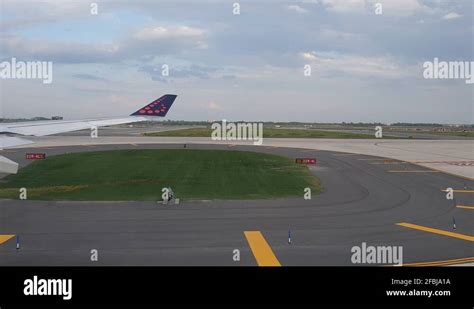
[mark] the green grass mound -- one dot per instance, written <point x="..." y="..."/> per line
<point x="141" y="174"/>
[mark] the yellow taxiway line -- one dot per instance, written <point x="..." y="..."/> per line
<point x="5" y="238"/>
<point x="390" y="162"/>
<point x="459" y="191"/>
<point x="442" y="263"/>
<point x="437" y="231"/>
<point x="261" y="249"/>
<point x="412" y="171"/>
<point x="465" y="207"/>
<point x="441" y="171"/>
<point x="417" y="163"/>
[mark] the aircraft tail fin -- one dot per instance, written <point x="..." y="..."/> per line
<point x="157" y="108"/>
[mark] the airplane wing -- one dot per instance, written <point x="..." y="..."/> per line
<point x="157" y="108"/>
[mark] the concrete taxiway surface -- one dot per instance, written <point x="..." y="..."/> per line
<point x="366" y="199"/>
<point x="408" y="134"/>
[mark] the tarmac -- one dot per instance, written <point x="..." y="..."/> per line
<point x="366" y="199"/>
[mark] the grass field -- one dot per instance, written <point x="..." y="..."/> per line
<point x="268" y="133"/>
<point x="141" y="174"/>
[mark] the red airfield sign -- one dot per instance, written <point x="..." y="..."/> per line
<point x="35" y="156"/>
<point x="311" y="161"/>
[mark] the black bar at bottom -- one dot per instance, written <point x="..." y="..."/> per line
<point x="241" y="285"/>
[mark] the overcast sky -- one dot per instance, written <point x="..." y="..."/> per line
<point x="365" y="67"/>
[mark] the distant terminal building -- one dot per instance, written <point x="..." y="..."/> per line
<point x="57" y="118"/>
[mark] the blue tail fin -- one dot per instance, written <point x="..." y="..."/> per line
<point x="159" y="107"/>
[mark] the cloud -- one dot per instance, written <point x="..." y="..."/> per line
<point x="148" y="41"/>
<point x="390" y="7"/>
<point x="62" y="52"/>
<point x="192" y="71"/>
<point x="89" y="77"/>
<point x="401" y="7"/>
<point x="343" y="5"/>
<point x="310" y="56"/>
<point x="166" y="40"/>
<point x="228" y="77"/>
<point x="32" y="13"/>
<point x="451" y="15"/>
<point x="297" y="8"/>
<point x="214" y="106"/>
<point x="331" y="64"/>
<point x="160" y="33"/>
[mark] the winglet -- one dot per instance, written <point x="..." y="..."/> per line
<point x="157" y="108"/>
<point x="8" y="166"/>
